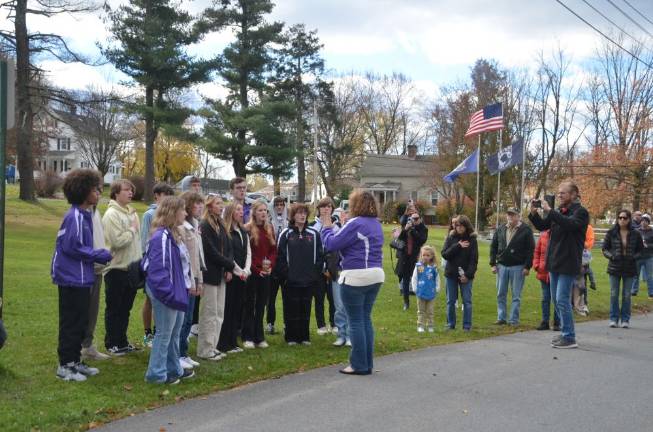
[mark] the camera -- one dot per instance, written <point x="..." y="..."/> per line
<point x="537" y="203"/>
<point x="551" y="200"/>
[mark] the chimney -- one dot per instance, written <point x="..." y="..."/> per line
<point x="412" y="151"/>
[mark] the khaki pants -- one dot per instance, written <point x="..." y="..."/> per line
<point x="210" y="319"/>
<point x="93" y="308"/>
<point x="425" y="312"/>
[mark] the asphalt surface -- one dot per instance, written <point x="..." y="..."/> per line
<point x="514" y="383"/>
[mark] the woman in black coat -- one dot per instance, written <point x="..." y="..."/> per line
<point x="414" y="234"/>
<point x="622" y="246"/>
<point x="461" y="252"/>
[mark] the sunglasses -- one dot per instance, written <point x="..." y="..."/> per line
<point x="623" y="218"/>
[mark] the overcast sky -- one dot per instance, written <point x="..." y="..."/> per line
<point x="432" y="41"/>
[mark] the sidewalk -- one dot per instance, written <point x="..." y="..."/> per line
<point x="507" y="383"/>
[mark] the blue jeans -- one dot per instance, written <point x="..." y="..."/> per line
<point x="561" y="285"/>
<point x="164" y="356"/>
<point x="452" y="295"/>
<point x="185" y="327"/>
<point x="340" y="315"/>
<point x="645" y="270"/>
<point x="513" y="276"/>
<point x="615" y="314"/>
<point x="358" y="301"/>
<point x="546" y="304"/>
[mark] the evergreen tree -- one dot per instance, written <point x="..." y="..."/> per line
<point x="298" y="57"/>
<point x="247" y="127"/>
<point x="151" y="38"/>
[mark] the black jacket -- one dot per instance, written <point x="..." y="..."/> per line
<point x="300" y="257"/>
<point x="567" y="239"/>
<point x="406" y="262"/>
<point x="239" y="244"/>
<point x="457" y="256"/>
<point x="218" y="253"/>
<point x="647" y="236"/>
<point x="518" y="252"/>
<point x="622" y="262"/>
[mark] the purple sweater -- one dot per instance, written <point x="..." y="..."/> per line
<point x="359" y="242"/>
<point x="74" y="256"/>
<point x="165" y="275"/>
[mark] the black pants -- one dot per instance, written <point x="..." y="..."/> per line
<point x="296" y="312"/>
<point x="119" y="299"/>
<point x="73" y="320"/>
<point x="275" y="284"/>
<point x="256" y="297"/>
<point x="233" y="301"/>
<point x="3" y="334"/>
<point x="320" y="289"/>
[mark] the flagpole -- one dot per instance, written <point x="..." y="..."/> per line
<point x="523" y="174"/>
<point x="478" y="180"/>
<point x="499" y="178"/>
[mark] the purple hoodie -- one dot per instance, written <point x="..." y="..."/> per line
<point x="360" y="243"/>
<point x="74" y="256"/>
<point x="165" y="275"/>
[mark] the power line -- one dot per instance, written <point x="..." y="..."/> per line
<point x="610" y="21"/>
<point x="630" y="18"/>
<point x="603" y="34"/>
<point x="638" y="12"/>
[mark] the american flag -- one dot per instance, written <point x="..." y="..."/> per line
<point x="488" y="119"/>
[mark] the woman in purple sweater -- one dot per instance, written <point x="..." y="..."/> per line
<point x="360" y="244"/>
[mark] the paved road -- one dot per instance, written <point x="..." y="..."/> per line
<point x="509" y="383"/>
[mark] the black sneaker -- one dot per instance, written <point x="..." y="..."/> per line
<point x="131" y="348"/>
<point x="188" y="373"/>
<point x="555" y="339"/>
<point x="565" y="343"/>
<point x="118" y="351"/>
<point x="173" y="380"/>
<point x="544" y="325"/>
<point x="556" y="327"/>
<point x="500" y="322"/>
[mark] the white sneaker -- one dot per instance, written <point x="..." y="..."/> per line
<point x="86" y="370"/>
<point x="322" y="331"/>
<point x="348" y="343"/>
<point x="613" y="324"/>
<point x="625" y="324"/>
<point x="91" y="353"/>
<point x="216" y="356"/>
<point x="249" y="345"/>
<point x="263" y="344"/>
<point x="235" y="350"/>
<point x="431" y="330"/>
<point x="188" y="359"/>
<point x="68" y="372"/>
<point x="292" y="343"/>
<point x="339" y="342"/>
<point x="306" y="343"/>
<point x="420" y="329"/>
<point x="194" y="330"/>
<point x="184" y="364"/>
<point x="334" y="330"/>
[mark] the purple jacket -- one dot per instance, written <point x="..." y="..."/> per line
<point x="359" y="241"/>
<point x="74" y="256"/>
<point x="165" y="276"/>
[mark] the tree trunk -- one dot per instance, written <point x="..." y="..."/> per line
<point x="301" y="158"/>
<point x="239" y="164"/>
<point x="25" y="116"/>
<point x="277" y="185"/>
<point x="150" y="136"/>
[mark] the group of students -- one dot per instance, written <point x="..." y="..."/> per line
<point x="234" y="258"/>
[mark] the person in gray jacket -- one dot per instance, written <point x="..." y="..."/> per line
<point x="511" y="257"/>
<point x="645" y="261"/>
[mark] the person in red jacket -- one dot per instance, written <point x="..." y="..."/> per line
<point x="542" y="274"/>
<point x="264" y="256"/>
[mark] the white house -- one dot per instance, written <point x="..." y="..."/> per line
<point x="63" y="151"/>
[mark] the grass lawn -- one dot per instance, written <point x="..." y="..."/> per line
<point x="31" y="398"/>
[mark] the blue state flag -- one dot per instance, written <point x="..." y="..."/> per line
<point x="506" y="157"/>
<point x="469" y="165"/>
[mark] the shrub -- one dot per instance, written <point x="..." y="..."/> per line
<point x="48" y="183"/>
<point x="442" y="213"/>
<point x="139" y="185"/>
<point x="389" y="214"/>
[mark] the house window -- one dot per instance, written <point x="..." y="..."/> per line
<point x="434" y="198"/>
<point x="54" y="166"/>
<point x="66" y="166"/>
<point x="63" y="143"/>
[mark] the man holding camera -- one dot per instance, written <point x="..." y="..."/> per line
<point x="511" y="257"/>
<point x="568" y="224"/>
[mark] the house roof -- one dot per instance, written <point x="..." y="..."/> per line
<point x="396" y="166"/>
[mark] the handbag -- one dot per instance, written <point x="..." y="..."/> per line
<point x="398" y="244"/>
